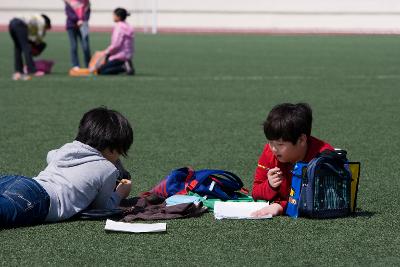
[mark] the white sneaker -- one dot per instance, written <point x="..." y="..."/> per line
<point x="17" y="76"/>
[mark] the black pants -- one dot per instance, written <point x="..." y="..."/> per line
<point x="19" y="33"/>
<point x="116" y="67"/>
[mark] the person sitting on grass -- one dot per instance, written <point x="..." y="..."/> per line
<point x="80" y="175"/>
<point x="27" y="32"/>
<point x="288" y="131"/>
<point x="120" y="52"/>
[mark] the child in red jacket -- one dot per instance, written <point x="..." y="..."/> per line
<point x="288" y="131"/>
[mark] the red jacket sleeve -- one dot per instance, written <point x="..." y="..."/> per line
<point x="261" y="188"/>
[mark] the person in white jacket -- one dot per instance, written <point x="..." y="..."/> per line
<point x="83" y="174"/>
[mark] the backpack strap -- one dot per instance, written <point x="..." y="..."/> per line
<point x="339" y="156"/>
<point x="231" y="179"/>
<point x="189" y="177"/>
<point x="329" y="158"/>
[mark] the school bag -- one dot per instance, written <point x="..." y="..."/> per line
<point x="219" y="184"/>
<point x="43" y="65"/>
<point x="37" y="48"/>
<point x="321" y="188"/>
<point x="97" y="60"/>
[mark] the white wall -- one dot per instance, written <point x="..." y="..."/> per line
<point x="244" y="15"/>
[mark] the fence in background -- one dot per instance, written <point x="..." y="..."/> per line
<point x="285" y="16"/>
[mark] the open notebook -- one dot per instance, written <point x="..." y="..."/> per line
<point x="238" y="210"/>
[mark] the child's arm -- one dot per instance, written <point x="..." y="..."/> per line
<point x="116" y="42"/>
<point x="124" y="188"/>
<point x="50" y="155"/>
<point x="123" y="173"/>
<point x="106" y="197"/>
<point x="274" y="177"/>
<point x="261" y="186"/>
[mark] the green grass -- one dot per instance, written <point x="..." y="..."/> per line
<point x="200" y="100"/>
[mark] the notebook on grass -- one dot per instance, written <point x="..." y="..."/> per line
<point x="238" y="210"/>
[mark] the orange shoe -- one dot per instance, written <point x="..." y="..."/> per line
<point x="26" y="77"/>
<point x="79" y="72"/>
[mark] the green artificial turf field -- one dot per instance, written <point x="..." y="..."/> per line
<point x="200" y="100"/>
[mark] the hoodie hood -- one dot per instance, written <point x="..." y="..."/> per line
<point x="125" y="29"/>
<point x="73" y="154"/>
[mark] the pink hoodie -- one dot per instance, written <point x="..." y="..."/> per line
<point x="122" y="42"/>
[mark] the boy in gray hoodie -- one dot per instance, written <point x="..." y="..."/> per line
<point x="79" y="175"/>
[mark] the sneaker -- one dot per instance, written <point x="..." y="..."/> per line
<point x="17" y="76"/>
<point x="129" y="69"/>
<point x="38" y="73"/>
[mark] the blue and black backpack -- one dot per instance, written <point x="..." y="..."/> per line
<point x="219" y="184"/>
<point x="322" y="187"/>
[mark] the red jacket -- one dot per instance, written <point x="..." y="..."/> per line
<point x="262" y="189"/>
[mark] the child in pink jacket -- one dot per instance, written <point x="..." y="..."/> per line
<point x="120" y="52"/>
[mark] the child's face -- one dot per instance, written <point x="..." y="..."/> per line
<point x="286" y="152"/>
<point x="116" y="18"/>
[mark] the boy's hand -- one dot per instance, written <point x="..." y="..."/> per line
<point x="79" y="23"/>
<point x="274" y="209"/>
<point x="275" y="177"/>
<point x="124" y="188"/>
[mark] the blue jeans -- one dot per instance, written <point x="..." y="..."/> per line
<point x="81" y="33"/>
<point x="23" y="201"/>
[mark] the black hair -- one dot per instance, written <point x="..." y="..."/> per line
<point x="121" y="13"/>
<point x="288" y="121"/>
<point x="102" y="128"/>
<point x="47" y="21"/>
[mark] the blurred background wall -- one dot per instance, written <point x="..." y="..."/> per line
<point x="319" y="16"/>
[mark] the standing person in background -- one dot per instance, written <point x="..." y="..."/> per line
<point x="27" y="31"/>
<point x="78" y="13"/>
<point x="120" y="52"/>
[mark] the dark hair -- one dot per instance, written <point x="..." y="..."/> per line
<point x="47" y="21"/>
<point x="289" y="122"/>
<point x="121" y="13"/>
<point x="103" y="128"/>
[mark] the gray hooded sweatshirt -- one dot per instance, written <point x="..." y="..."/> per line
<point x="78" y="177"/>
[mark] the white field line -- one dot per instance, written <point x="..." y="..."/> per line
<point x="210" y="78"/>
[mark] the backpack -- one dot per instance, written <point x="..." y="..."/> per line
<point x="321" y="188"/>
<point x="174" y="183"/>
<point x="37" y="48"/>
<point x="96" y="61"/>
<point x="211" y="183"/>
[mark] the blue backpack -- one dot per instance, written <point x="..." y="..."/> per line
<point x="219" y="184"/>
<point x="321" y="188"/>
